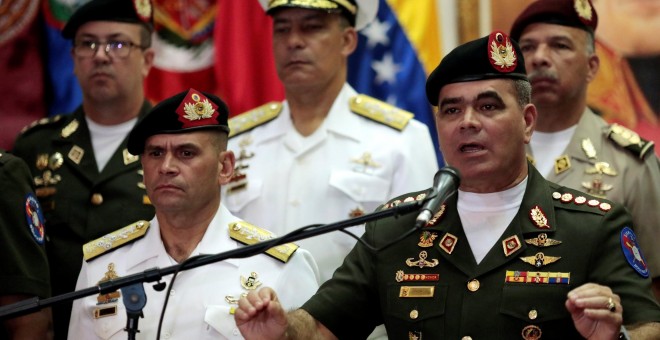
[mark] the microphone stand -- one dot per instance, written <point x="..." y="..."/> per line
<point x="134" y="297"/>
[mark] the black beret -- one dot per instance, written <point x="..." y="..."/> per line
<point x="358" y="12"/>
<point x="187" y="111"/>
<point x="493" y="56"/>
<point x="573" y="13"/>
<point x="129" y="11"/>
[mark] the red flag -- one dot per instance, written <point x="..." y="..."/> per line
<point x="22" y="84"/>
<point x="244" y="66"/>
<point x="184" y="48"/>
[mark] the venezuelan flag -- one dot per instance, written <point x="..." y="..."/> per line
<point x="395" y="54"/>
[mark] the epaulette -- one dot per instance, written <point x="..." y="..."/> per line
<point x="251" y="119"/>
<point x="629" y="140"/>
<point x="42" y="122"/>
<point x="115" y="240"/>
<point x="380" y="111"/>
<point x="568" y="198"/>
<point x="249" y="234"/>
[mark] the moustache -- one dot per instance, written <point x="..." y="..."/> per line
<point x="542" y="74"/>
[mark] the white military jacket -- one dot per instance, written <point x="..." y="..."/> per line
<point x="201" y="299"/>
<point x="349" y="166"/>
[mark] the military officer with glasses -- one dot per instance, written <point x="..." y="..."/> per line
<point x="86" y="180"/>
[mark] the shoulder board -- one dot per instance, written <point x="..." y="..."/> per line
<point x="571" y="199"/>
<point x="251" y="119"/>
<point x="42" y="122"/>
<point x="629" y="140"/>
<point x="249" y="234"/>
<point x="115" y="240"/>
<point x="380" y="111"/>
<point x="410" y="197"/>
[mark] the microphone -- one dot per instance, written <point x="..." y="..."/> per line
<point x="445" y="184"/>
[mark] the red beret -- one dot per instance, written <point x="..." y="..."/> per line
<point x="573" y="13"/>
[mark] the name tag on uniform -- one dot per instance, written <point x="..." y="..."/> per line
<point x="105" y="311"/>
<point x="416" y="291"/>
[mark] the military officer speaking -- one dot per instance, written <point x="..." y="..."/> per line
<point x="572" y="146"/>
<point x="183" y="143"/>
<point x="86" y="180"/>
<point x="510" y="256"/>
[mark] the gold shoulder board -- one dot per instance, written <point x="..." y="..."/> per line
<point x="251" y="119"/>
<point x="41" y="122"/>
<point x="629" y="140"/>
<point x="247" y="233"/>
<point x="380" y="111"/>
<point x="115" y="240"/>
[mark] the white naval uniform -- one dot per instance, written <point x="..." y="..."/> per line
<point x="197" y="308"/>
<point x="294" y="181"/>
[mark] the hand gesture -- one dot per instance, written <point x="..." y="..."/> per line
<point x="596" y="311"/>
<point x="260" y="316"/>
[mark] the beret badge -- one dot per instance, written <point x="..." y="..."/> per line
<point x="584" y="10"/>
<point x="195" y="108"/>
<point x="143" y="9"/>
<point x="502" y="56"/>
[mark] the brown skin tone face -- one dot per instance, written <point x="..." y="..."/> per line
<point x="482" y="132"/>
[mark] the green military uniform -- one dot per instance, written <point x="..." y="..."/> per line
<point x="79" y="202"/>
<point x="24" y="268"/>
<point x="512" y="292"/>
<point x="614" y="163"/>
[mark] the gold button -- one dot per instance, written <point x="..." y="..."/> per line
<point x="414" y="314"/>
<point x="533" y="314"/>
<point x="97" y="199"/>
<point x="467" y="337"/>
<point x="473" y="285"/>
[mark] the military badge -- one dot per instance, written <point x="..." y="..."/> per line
<point x="633" y="253"/>
<point x="566" y="197"/>
<point x="562" y="163"/>
<point x="502" y="55"/>
<point x="588" y="148"/>
<point x="195" y="110"/>
<point x="401" y="276"/>
<point x="422" y="262"/>
<point x="76" y="154"/>
<point x="531" y="332"/>
<point x="70" y="128"/>
<point x="42" y="161"/>
<point x="144" y="9"/>
<point x="605" y="206"/>
<point x="601" y="168"/>
<point x="580" y="200"/>
<point x="35" y="218"/>
<point x="55" y="161"/>
<point x="448" y="243"/>
<point x="436" y="218"/>
<point x="129" y="158"/>
<point x="538" y="217"/>
<point x="357" y="212"/>
<point x="112" y="296"/>
<point x="539" y="259"/>
<point x="365" y="162"/>
<point x="596" y="187"/>
<point x="251" y="282"/>
<point x="414" y="335"/>
<point x="511" y="245"/>
<point x="542" y="240"/>
<point x="426" y="239"/>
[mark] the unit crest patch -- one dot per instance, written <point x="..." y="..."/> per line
<point x="35" y="218"/>
<point x="632" y="252"/>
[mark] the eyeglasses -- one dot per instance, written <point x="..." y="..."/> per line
<point x="113" y="48"/>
